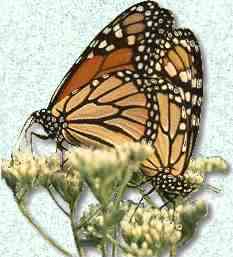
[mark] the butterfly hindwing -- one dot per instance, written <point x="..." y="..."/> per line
<point x="179" y="118"/>
<point x="111" y="109"/>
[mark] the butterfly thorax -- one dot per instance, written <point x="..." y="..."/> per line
<point x="171" y="186"/>
<point x="52" y="125"/>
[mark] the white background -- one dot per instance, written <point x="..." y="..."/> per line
<point x="40" y="40"/>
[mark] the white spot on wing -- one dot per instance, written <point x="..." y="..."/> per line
<point x="119" y="34"/>
<point x="170" y="69"/>
<point x="141" y="48"/>
<point x="110" y="47"/>
<point x="131" y="40"/>
<point x="103" y="44"/>
<point x="116" y="27"/>
<point x="158" y="67"/>
<point x="106" y="30"/>
<point x="183" y="76"/>
<point x="140" y="8"/>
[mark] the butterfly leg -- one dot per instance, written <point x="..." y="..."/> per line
<point x="170" y="201"/>
<point x="62" y="159"/>
<point x="140" y="201"/>
<point x="43" y="137"/>
<point x="62" y="150"/>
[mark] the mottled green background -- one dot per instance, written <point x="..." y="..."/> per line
<point x="39" y="41"/>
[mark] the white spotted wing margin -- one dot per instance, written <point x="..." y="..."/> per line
<point x="177" y="126"/>
<point x="132" y="29"/>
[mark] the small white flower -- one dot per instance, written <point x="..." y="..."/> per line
<point x="175" y="237"/>
<point x="155" y="235"/>
<point x="144" y="245"/>
<point x="148" y="238"/>
<point x="134" y="246"/>
<point x="159" y="226"/>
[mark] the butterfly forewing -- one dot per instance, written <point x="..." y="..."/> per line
<point x="117" y="46"/>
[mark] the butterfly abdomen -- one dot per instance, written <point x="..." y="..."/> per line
<point x="171" y="186"/>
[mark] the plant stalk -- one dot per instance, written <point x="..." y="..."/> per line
<point x="27" y="215"/>
<point x="57" y="203"/>
<point x="113" y="245"/>
<point x="119" y="196"/>
<point x="74" y="228"/>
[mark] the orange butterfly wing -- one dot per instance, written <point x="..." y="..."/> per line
<point x="177" y="60"/>
<point x="116" y="47"/>
<point x="164" y="72"/>
<point x="107" y="111"/>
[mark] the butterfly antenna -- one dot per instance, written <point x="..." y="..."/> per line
<point x="23" y="132"/>
<point x="212" y="188"/>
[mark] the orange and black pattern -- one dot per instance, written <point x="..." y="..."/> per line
<point x="139" y="80"/>
<point x="117" y="46"/>
<point x="109" y="110"/>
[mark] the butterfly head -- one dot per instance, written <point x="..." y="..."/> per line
<point x="48" y="121"/>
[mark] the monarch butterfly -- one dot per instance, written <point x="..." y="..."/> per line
<point x="140" y="80"/>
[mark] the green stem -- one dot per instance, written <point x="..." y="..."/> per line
<point x="57" y="203"/>
<point x="103" y="250"/>
<point x="88" y="219"/>
<point x="74" y="229"/>
<point x="115" y="242"/>
<point x="104" y="240"/>
<point x="114" y="245"/>
<point x="119" y="196"/>
<point x="122" y="189"/>
<point x="173" y="251"/>
<point x="27" y="215"/>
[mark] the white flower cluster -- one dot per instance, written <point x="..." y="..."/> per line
<point x="26" y="170"/>
<point x="102" y="170"/>
<point x="119" y="158"/>
<point x="211" y="164"/>
<point x="68" y="182"/>
<point x="105" y="169"/>
<point x="151" y="231"/>
<point x="92" y="223"/>
<point x="148" y="231"/>
<point x="199" y="167"/>
<point x="107" y="172"/>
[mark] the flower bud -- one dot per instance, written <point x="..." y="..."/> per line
<point x="148" y="238"/>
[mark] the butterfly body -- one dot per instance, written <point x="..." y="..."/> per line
<point x="171" y="186"/>
<point x="139" y="80"/>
